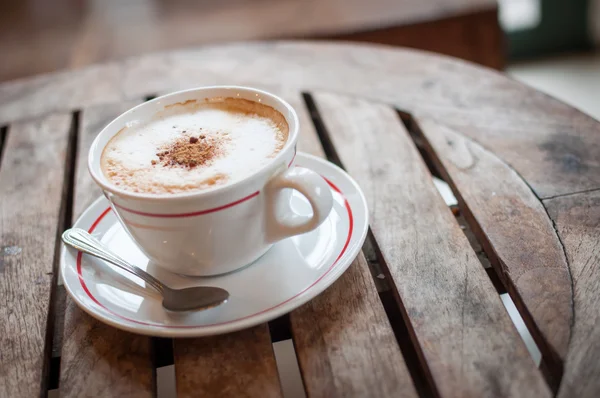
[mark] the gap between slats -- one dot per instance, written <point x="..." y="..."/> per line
<point x="164" y="368"/>
<point x="378" y="267"/>
<point x="379" y="273"/>
<point x="3" y="134"/>
<point x="56" y="311"/>
<point x="162" y="351"/>
<point x="285" y="358"/>
<point x="420" y="142"/>
<point x="447" y="193"/>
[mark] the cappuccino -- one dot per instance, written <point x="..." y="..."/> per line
<point x="194" y="146"/>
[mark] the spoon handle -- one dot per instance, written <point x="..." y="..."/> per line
<point x="84" y="242"/>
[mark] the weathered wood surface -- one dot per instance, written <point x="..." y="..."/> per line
<point x="240" y="364"/>
<point x="552" y="147"/>
<point x="577" y="219"/>
<point x="98" y="360"/>
<point x="550" y="144"/>
<point x="463" y="333"/>
<point x="55" y="92"/>
<point x="345" y="344"/>
<point x="515" y="230"/>
<point x="343" y="340"/>
<point x="31" y="207"/>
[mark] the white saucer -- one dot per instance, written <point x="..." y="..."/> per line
<point x="291" y="273"/>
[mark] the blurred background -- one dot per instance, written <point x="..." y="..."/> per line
<point x="549" y="44"/>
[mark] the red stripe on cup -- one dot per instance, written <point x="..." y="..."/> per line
<point x="197" y="213"/>
<point x="192" y="214"/>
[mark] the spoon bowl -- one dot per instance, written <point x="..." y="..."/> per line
<point x="193" y="298"/>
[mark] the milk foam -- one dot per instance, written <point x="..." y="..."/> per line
<point x="249" y="135"/>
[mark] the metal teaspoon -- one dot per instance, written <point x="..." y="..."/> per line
<point x="191" y="298"/>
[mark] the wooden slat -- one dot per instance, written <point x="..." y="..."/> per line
<point x="31" y="188"/>
<point x="99" y="360"/>
<point x="462" y="331"/>
<point x="577" y="219"/>
<point x="240" y="364"/>
<point x="516" y="232"/>
<point x="60" y="91"/>
<point x="345" y="344"/>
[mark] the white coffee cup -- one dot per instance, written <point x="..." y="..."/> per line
<point x="217" y="230"/>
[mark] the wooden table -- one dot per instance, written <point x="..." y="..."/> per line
<point x="524" y="167"/>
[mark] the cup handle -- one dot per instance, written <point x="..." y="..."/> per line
<point x="313" y="187"/>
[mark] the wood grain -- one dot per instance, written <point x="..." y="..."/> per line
<point x="553" y="146"/>
<point x="99" y="360"/>
<point x="577" y="220"/>
<point x="515" y="231"/>
<point x="343" y="339"/>
<point x="345" y="344"/>
<point x="31" y="188"/>
<point x="240" y="364"/>
<point x="463" y="334"/>
<point x="44" y="94"/>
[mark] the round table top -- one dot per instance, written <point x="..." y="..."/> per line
<point x="524" y="167"/>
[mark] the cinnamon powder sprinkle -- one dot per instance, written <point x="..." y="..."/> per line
<point x="188" y="152"/>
